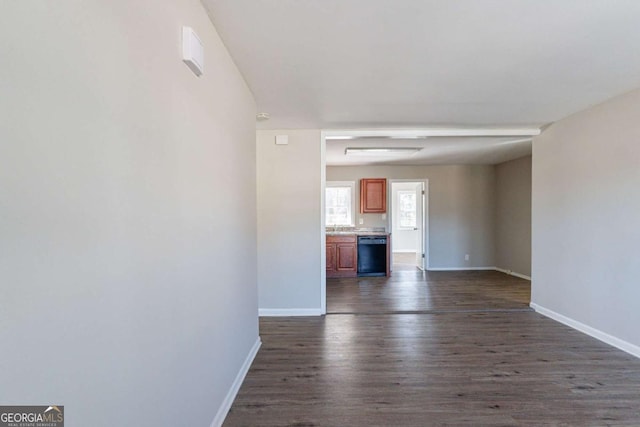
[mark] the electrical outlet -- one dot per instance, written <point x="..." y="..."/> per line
<point x="361" y="221"/>
<point x="384" y="216"/>
<point x="466" y="257"/>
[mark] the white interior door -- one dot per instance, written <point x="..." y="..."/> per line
<point x="420" y="243"/>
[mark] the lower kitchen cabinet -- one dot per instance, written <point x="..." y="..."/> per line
<point x="342" y="256"/>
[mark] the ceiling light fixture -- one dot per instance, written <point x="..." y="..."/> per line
<point x="261" y="117"/>
<point x="409" y="137"/>
<point x="381" y="151"/>
<point x="339" y="137"/>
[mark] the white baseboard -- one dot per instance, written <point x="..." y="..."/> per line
<point x="513" y="273"/>
<point x="632" y="349"/>
<point x="235" y="387"/>
<point x="404" y="251"/>
<point x="459" y="268"/>
<point x="289" y="312"/>
<point x="502" y="270"/>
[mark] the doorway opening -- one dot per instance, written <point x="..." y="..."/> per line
<point x="408" y="224"/>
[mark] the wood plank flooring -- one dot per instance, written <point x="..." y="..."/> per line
<point x="468" y="353"/>
<point x="403" y="261"/>
<point x="418" y="291"/>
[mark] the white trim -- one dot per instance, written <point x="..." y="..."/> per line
<point x="425" y="225"/>
<point x="513" y="273"/>
<point x="404" y="251"/>
<point x="632" y="349"/>
<point x="289" y="312"/>
<point x="459" y="268"/>
<point x="417" y="133"/>
<point x="425" y="216"/>
<point x="323" y="228"/>
<point x="235" y="387"/>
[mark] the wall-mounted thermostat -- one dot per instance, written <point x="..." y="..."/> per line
<point x="192" y="51"/>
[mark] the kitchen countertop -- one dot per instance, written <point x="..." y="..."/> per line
<point x="357" y="233"/>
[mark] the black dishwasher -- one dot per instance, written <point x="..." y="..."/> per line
<point x="372" y="255"/>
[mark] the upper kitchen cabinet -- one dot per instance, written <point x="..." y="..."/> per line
<point x="373" y="195"/>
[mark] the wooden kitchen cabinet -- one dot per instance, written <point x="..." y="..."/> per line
<point x="342" y="256"/>
<point x="373" y="195"/>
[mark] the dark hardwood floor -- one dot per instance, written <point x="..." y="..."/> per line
<point x="418" y="291"/>
<point x="445" y="348"/>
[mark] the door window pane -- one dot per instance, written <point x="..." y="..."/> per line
<point x="407" y="209"/>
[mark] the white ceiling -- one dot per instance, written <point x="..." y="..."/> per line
<point x="364" y="64"/>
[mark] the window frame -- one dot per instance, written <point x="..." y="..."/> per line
<point x="341" y="184"/>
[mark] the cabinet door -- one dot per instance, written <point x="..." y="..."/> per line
<point x="347" y="257"/>
<point x="373" y="195"/>
<point x="331" y="257"/>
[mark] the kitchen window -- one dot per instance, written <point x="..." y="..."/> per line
<point x="340" y="203"/>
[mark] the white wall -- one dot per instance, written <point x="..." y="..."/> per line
<point x="513" y="215"/>
<point x="127" y="213"/>
<point x="461" y="209"/>
<point x="289" y="222"/>
<point x="586" y="218"/>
